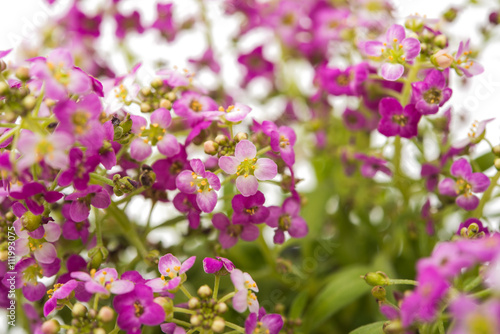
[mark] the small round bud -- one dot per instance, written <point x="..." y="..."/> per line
<point x="79" y="310"/>
<point x="171" y="96"/>
<point x="493" y="18"/>
<point x="168" y="306"/>
<point x="279" y="308"/>
<point x="29" y="102"/>
<point x="240" y="136"/>
<point x="211" y="147"/>
<point x="393" y="327"/>
<point x="441" y="59"/>
<point x="204" y="291"/>
<point x="3" y="66"/>
<point x="99" y="331"/>
<point x="451" y="14"/>
<point x="23" y="73"/>
<point x="51" y="327"/>
<point x="71" y="331"/>
<point x="379" y="292"/>
<point x="497" y="163"/>
<point x="92" y="314"/>
<point x="30" y="221"/>
<point x="221" y="140"/>
<point x="50" y="103"/>
<point x="221" y="308"/>
<point x="496" y="150"/>
<point x="4" y="88"/>
<point x="195" y="320"/>
<point x="193" y="303"/>
<point x="440" y="41"/>
<point x="374" y="279"/>
<point x="146" y="91"/>
<point x="218" y="325"/>
<point x="166" y="104"/>
<point x="157" y="83"/>
<point x="106" y="314"/>
<point x="145" y="107"/>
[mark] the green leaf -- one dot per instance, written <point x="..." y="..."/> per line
<point x="344" y="287"/>
<point x="298" y="305"/>
<point x="374" y="328"/>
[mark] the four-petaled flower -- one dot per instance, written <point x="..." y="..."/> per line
<point x="396" y="51"/>
<point x="170" y="269"/>
<point x="60" y="291"/>
<point x="104" y="281"/>
<point x="219" y="266"/>
<point x="200" y="182"/>
<point x="286" y="218"/>
<point x="430" y="94"/>
<point x="248" y="168"/>
<point x="245" y="296"/>
<point x="263" y="323"/>
<point x="397" y="121"/>
<point x="282" y="140"/>
<point x="465" y="185"/>
<point x="229" y="232"/>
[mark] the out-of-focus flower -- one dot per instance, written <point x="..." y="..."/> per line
<point x="397" y="121"/>
<point x="230" y="231"/>
<point x="265" y="323"/>
<point x="286" y="218"/>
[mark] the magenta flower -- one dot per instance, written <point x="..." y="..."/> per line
<point x="60" y="75"/>
<point x="195" y="108"/>
<point x="24" y="276"/>
<point x="137" y="308"/>
<point x="60" y="291"/>
<point x="199" y="182"/>
<point x="206" y="60"/>
<point x="167" y="144"/>
<point x="51" y="148"/>
<point x="371" y="165"/>
<point x="186" y="203"/>
<point x="465" y="184"/>
<point x="423" y="303"/>
<point x="430" y="94"/>
<point x="470" y="316"/>
<point x="167" y="170"/>
<point x="286" y="218"/>
<point x="282" y="140"/>
<point x="34" y="194"/>
<point x="396" y="51"/>
<point x="256" y="65"/>
<point x="469" y="67"/>
<point x="99" y="141"/>
<point x="248" y="168"/>
<point x="171" y="270"/>
<point x="249" y="209"/>
<point x="342" y="82"/>
<point x="245" y="288"/>
<point x="171" y="328"/>
<point x="77" y="118"/>
<point x="217" y="266"/>
<point x="263" y="323"/>
<point x="397" y="121"/>
<point x="354" y="120"/>
<point x="164" y="22"/>
<point x="229" y="232"/>
<point x="124" y="24"/>
<point x="104" y="281"/>
<point x="74" y="230"/>
<point x="430" y="174"/>
<point x="234" y="113"/>
<point x="94" y="195"/>
<point x="79" y="169"/>
<point x="478" y="231"/>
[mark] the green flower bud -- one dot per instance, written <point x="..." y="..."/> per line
<point x="168" y="306"/>
<point x="23" y="73"/>
<point x="30" y="221"/>
<point x="218" y="325"/>
<point x="193" y="303"/>
<point x="3" y="66"/>
<point x="377" y="278"/>
<point x="99" y="331"/>
<point x="79" y="310"/>
<point x="147" y="177"/>
<point x="195" y="320"/>
<point x="146" y="91"/>
<point x="124" y="185"/>
<point x="221" y="308"/>
<point x="97" y="256"/>
<point x="29" y="102"/>
<point x="440" y="41"/>
<point x="157" y="83"/>
<point x="171" y="96"/>
<point x="222" y="140"/>
<point x="379" y="293"/>
<point x="146" y="107"/>
<point x="497" y="163"/>
<point x="211" y="147"/>
<point x="393" y="327"/>
<point x="4" y="88"/>
<point x="450" y="15"/>
<point x="118" y="132"/>
<point x="240" y="136"/>
<point x="204" y="291"/>
<point x="496" y="150"/>
<point x="164" y="103"/>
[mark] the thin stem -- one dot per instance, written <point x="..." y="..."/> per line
<point x="226" y="297"/>
<point x="96" y="301"/>
<point x="263" y="150"/>
<point x="184" y="290"/>
<point x="216" y="287"/>
<point x="478" y="213"/>
<point x="9" y="134"/>
<point x="8" y="125"/>
<point x="183" y="310"/>
<point x="101" y="179"/>
<point x="169" y="222"/>
<point x="133" y="193"/>
<point x="98" y="230"/>
<point x="234" y="326"/>
<point x="402" y="282"/>
<point x="180" y="322"/>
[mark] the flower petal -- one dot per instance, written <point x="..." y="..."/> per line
<point x="247" y="185"/>
<point x="392" y="72"/>
<point x="245" y="149"/>
<point x="265" y="169"/>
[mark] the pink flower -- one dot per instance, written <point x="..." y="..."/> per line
<point x="170" y="269"/>
<point x="248" y="168"/>
<point x="245" y="296"/>
<point x="199" y="182"/>
<point x="229" y="232"/>
<point x="104" y="281"/>
<point x="50" y="148"/>
<point x="282" y="140"/>
<point x="469" y="67"/>
<point x="395" y="51"/>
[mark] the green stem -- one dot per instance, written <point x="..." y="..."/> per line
<point x="9" y="134"/>
<point x="263" y="150"/>
<point x="101" y="179"/>
<point x="234" y="326"/>
<point x="98" y="230"/>
<point x="129" y="196"/>
<point x="7" y="125"/>
<point x="184" y="290"/>
<point x="96" y="301"/>
<point x="402" y="282"/>
<point x="478" y="213"/>
<point x="127" y="228"/>
<point x="226" y="297"/>
<point x="482" y="293"/>
<point x="169" y="222"/>
<point x="183" y="310"/>
<point x="180" y="322"/>
<point x="216" y="287"/>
